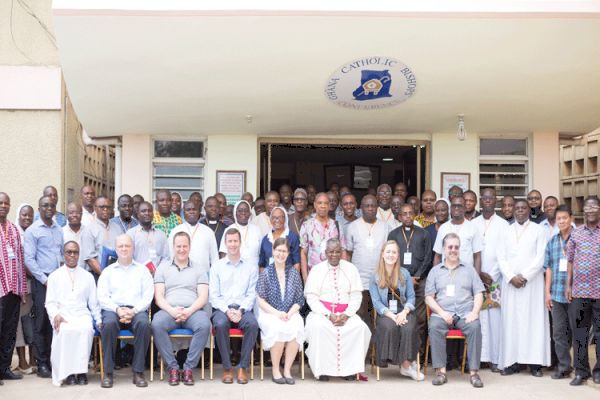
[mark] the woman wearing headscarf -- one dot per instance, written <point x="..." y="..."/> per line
<point x="280" y="224"/>
<point x="25" y="328"/>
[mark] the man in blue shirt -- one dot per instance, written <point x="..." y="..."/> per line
<point x="43" y="255"/>
<point x="555" y="264"/>
<point x="232" y="293"/>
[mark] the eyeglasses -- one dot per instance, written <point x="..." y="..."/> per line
<point x="281" y="251"/>
<point x="590" y="208"/>
<point x="386" y="193"/>
<point x="299" y="199"/>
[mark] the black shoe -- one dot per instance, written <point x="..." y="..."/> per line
<point x="107" y="382"/>
<point x="513" y="369"/>
<point x="537" y="372"/>
<point x="82" y="379"/>
<point x="8" y="375"/>
<point x="1" y="383"/>
<point x="596" y="377"/>
<point x="561" y="374"/>
<point x="578" y="380"/>
<point x="71" y="380"/>
<point x="43" y="371"/>
<point x="323" y="378"/>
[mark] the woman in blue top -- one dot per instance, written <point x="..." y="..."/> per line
<point x="279" y="224"/>
<point x="280" y="297"/>
<point x="393" y="297"/>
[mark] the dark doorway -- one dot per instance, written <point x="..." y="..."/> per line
<point x="356" y="166"/>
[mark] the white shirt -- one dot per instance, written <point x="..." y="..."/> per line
<point x="87" y="218"/>
<point x="365" y="241"/>
<point x="251" y="240"/>
<point x="130" y="285"/>
<point x="492" y="232"/>
<point x="470" y="240"/>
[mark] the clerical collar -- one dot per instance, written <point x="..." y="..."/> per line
<point x="408" y="228"/>
<point x="212" y="222"/>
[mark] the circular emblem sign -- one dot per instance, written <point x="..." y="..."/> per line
<point x="371" y="83"/>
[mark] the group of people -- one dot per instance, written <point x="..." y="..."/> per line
<point x="300" y="267"/>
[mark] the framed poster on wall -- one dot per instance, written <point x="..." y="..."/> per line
<point x="232" y="184"/>
<point x="449" y="179"/>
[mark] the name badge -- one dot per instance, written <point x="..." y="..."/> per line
<point x="393" y="306"/>
<point x="370" y="243"/>
<point x="562" y="265"/>
<point x="152" y="252"/>
<point x="407" y="258"/>
<point x="450" y="290"/>
<point x="10" y="252"/>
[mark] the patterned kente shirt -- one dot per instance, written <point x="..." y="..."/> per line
<point x="583" y="251"/>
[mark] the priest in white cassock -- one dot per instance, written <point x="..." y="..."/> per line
<point x="72" y="307"/>
<point x="492" y="230"/>
<point x="338" y="340"/>
<point x="526" y="329"/>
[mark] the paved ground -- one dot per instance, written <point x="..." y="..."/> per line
<point x="391" y="386"/>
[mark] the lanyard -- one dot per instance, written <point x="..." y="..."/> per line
<point x="386" y="219"/>
<point x="563" y="248"/>
<point x="371" y="226"/>
<point x="487" y="224"/>
<point x="409" y="239"/>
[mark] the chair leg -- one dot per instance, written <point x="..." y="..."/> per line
<point x="210" y="357"/>
<point x="302" y="362"/>
<point x="373" y="357"/>
<point x="262" y="362"/>
<point x="202" y="362"/>
<point x="95" y="349"/>
<point x="162" y="371"/>
<point x="377" y="370"/>
<point x="252" y="365"/>
<point x="101" y="358"/>
<point x="426" y="356"/>
<point x="151" y="358"/>
<point x="462" y="370"/>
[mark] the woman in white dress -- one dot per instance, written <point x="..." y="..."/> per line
<point x="280" y="297"/>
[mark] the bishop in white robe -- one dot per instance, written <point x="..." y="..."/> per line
<point x="526" y="329"/>
<point x="72" y="307"/>
<point x="338" y="339"/>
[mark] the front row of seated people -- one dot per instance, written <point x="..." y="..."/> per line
<point x="338" y="339"/>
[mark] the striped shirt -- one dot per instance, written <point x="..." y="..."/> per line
<point x="583" y="251"/>
<point x="12" y="265"/>
<point x="555" y="251"/>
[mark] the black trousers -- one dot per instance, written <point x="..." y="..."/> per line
<point x="140" y="326"/>
<point x="582" y="314"/>
<point x="42" y="330"/>
<point x="9" y="320"/>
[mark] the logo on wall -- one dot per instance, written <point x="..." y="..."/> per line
<point x="371" y="83"/>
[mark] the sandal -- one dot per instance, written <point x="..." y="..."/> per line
<point x="440" y="379"/>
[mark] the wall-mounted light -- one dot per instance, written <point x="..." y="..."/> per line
<point x="387" y="159"/>
<point x="461" y="132"/>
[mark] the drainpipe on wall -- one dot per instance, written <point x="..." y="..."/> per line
<point x="108" y="141"/>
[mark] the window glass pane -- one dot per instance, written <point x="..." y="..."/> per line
<point x="178" y="170"/>
<point x="172" y="182"/>
<point x="503" y="147"/>
<point x="178" y="149"/>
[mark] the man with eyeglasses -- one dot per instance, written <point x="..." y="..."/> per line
<point x="300" y="214"/>
<point x="492" y="229"/>
<point x="525" y="320"/>
<point x="534" y="201"/>
<point x="583" y="290"/>
<point x="73" y="308"/>
<point x="454" y="293"/>
<point x="43" y="254"/>
<point x="99" y="236"/>
<point x="384" y="201"/>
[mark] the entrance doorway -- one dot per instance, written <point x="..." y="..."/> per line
<point x="359" y="166"/>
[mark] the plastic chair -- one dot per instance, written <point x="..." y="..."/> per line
<point x="452" y="334"/>
<point x="181" y="333"/>
<point x="233" y="333"/>
<point x="262" y="361"/>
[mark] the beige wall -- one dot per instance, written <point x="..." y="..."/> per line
<point x="137" y="167"/>
<point x="448" y="154"/>
<point x="231" y="152"/>
<point x="545" y="163"/>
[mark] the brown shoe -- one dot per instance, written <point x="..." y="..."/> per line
<point x="227" y="376"/>
<point x="107" y="382"/>
<point x="174" y="377"/>
<point x="188" y="377"/>
<point x="242" y="377"/>
<point x="139" y="380"/>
